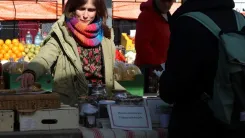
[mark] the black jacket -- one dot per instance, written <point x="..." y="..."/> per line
<point x="193" y="53"/>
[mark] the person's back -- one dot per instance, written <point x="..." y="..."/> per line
<point x="191" y="68"/>
<point x="152" y="33"/>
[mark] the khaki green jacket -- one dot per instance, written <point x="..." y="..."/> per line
<point x="59" y="53"/>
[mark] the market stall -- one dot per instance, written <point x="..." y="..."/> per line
<point x="30" y="9"/>
<point x="38" y="111"/>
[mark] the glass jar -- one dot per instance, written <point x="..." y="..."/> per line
<point x="90" y="120"/>
<point x="98" y="90"/>
<point x="102" y="106"/>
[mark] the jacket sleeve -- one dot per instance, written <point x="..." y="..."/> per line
<point x="191" y="62"/>
<point x="45" y="58"/>
<point x="144" y="36"/>
<point x="117" y="86"/>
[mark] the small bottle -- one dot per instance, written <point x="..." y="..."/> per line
<point x="44" y="35"/>
<point x="38" y="38"/>
<point x="28" y="38"/>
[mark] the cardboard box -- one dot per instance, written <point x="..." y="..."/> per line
<point x="10" y="80"/>
<point x="6" y="120"/>
<point x="65" y="117"/>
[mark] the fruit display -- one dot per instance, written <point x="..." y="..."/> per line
<point x="16" y="50"/>
<point x="11" y="49"/>
<point x="30" y="52"/>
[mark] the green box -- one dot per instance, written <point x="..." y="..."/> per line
<point x="134" y="87"/>
<point x="10" y="81"/>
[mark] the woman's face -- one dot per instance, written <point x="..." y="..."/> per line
<point x="86" y="13"/>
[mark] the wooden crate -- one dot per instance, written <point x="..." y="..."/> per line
<point x="6" y="120"/>
<point x="29" y="102"/>
<point x="65" y="117"/>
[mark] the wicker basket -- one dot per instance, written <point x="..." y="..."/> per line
<point x="29" y="102"/>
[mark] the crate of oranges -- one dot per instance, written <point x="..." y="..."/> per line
<point x="11" y="49"/>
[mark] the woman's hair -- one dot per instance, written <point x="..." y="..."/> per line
<point x="101" y="12"/>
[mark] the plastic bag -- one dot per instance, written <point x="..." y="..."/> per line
<point x="130" y="72"/>
<point x="15" y="67"/>
<point x="117" y="73"/>
<point x="118" y="70"/>
<point x="123" y="71"/>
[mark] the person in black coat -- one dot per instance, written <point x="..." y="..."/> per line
<point x="191" y="67"/>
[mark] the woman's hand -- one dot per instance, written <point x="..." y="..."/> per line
<point x="27" y="79"/>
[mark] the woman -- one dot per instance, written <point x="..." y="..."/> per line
<point x="78" y="51"/>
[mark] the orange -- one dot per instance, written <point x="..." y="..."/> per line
<point x="16" y="51"/>
<point x="8" y="42"/>
<point x="10" y="46"/>
<point x="6" y="56"/>
<point x="4" y="45"/>
<point x="10" y="51"/>
<point x="19" y="55"/>
<point x="14" y="48"/>
<point x="15" y="42"/>
<point x="2" y="51"/>
<point x="20" y="44"/>
<point x="13" y="56"/>
<point x="21" y="48"/>
<point x="6" y="48"/>
<point x="1" y="42"/>
<point x="1" y="56"/>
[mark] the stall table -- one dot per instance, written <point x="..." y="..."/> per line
<point x="42" y="134"/>
<point x="118" y="133"/>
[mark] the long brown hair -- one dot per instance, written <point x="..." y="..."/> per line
<point x="101" y="12"/>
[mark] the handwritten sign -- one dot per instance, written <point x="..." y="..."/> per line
<point x="129" y="117"/>
<point x="154" y="107"/>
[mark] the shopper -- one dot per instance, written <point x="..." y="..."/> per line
<point x="78" y="50"/>
<point x="191" y="67"/>
<point x="152" y="36"/>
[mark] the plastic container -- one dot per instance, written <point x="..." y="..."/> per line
<point x="103" y="108"/>
<point x="28" y="38"/>
<point x="38" y="38"/>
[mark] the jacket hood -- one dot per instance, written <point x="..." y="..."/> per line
<point x="148" y="5"/>
<point x="202" y="5"/>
